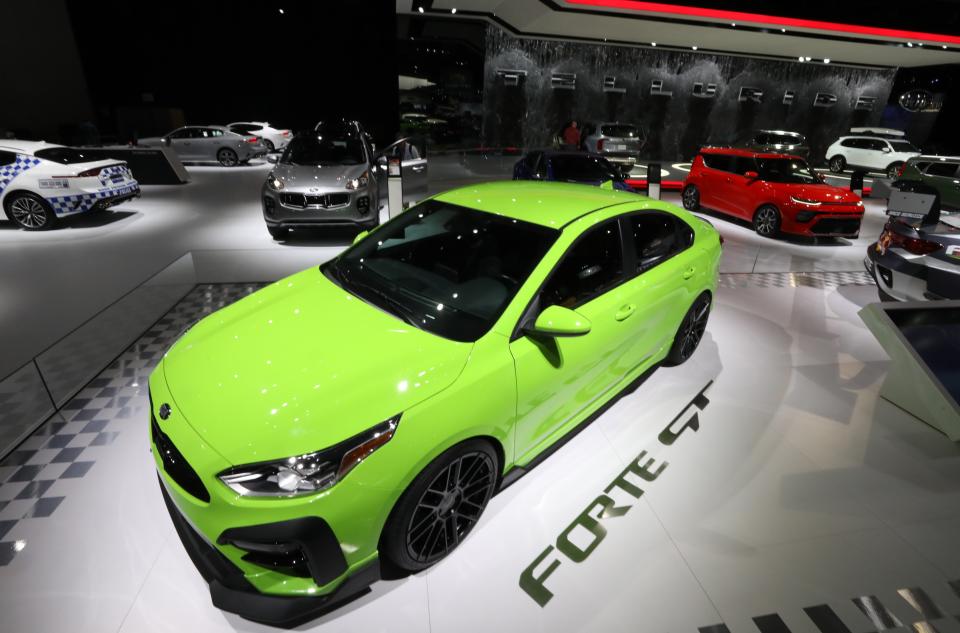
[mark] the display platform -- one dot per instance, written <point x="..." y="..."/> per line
<point x="791" y="497"/>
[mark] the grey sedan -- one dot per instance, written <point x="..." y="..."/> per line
<point x="322" y="179"/>
<point x="209" y="143"/>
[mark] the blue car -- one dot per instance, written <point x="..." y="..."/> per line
<point x="564" y="166"/>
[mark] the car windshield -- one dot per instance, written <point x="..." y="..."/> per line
<point x="323" y="149"/>
<point x="443" y="268"/>
<point x="582" y="168"/>
<point x="903" y="146"/>
<point x="787" y="170"/>
<point x="64" y="155"/>
<point x="619" y="131"/>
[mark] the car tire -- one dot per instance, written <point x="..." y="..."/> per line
<point x="892" y="170"/>
<point x="837" y="164"/>
<point x="29" y="211"/>
<point x="269" y="144"/>
<point x="690" y="332"/>
<point x="766" y="221"/>
<point x="227" y="157"/>
<point x="441" y="506"/>
<point x="278" y="232"/>
<point x="691" y="198"/>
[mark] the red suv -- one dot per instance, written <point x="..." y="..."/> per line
<point x="776" y="192"/>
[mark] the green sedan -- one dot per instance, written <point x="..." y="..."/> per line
<point x="360" y="415"/>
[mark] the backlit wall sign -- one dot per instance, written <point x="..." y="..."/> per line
<point x="824" y="100"/>
<point x="788" y="97"/>
<point x="865" y="103"/>
<point x="750" y="94"/>
<point x="563" y="81"/>
<point x="658" y="89"/>
<point x="610" y="85"/>
<point x="704" y="91"/>
<point x="511" y="77"/>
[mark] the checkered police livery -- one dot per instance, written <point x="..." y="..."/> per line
<point x="41" y="183"/>
<point x="21" y="163"/>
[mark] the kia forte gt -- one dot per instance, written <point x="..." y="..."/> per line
<point x="360" y="414"/>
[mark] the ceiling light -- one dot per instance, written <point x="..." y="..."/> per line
<point x="281" y="11"/>
<point x="733" y="24"/>
<point x="919" y="43"/>
<point x="800" y="59"/>
<point x="453" y="10"/>
<point x="807" y="58"/>
<point x="420" y="9"/>
<point x="944" y="45"/>
<point x="654" y="44"/>
<point x="910" y="44"/>
<point x="826" y="60"/>
<point x="694" y="47"/>
<point x="783" y="30"/>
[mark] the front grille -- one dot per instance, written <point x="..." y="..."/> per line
<point x="175" y="465"/>
<point x="325" y="200"/>
<point x="842" y="226"/>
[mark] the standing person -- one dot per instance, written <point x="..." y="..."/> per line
<point x="571" y="136"/>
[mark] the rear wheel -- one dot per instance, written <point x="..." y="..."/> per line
<point x="441" y="506"/>
<point x="838" y="164"/>
<point x="691" y="331"/>
<point x="29" y="211"/>
<point x="766" y="221"/>
<point x="269" y="144"/>
<point x="893" y="170"/>
<point x="691" y="198"/>
<point x="227" y="157"/>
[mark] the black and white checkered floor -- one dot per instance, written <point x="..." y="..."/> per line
<point x="803" y="504"/>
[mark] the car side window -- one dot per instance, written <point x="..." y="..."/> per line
<point x="851" y="142"/>
<point x="7" y="158"/>
<point x="718" y="161"/>
<point x="878" y="146"/>
<point x="181" y="133"/>
<point x="743" y="164"/>
<point x="947" y="170"/>
<point x="762" y="139"/>
<point x="593" y="265"/>
<point x="657" y="237"/>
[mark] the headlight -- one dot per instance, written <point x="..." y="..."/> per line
<point x="274" y="183"/>
<point x="357" y="183"/>
<point x="812" y="203"/>
<point x="859" y="203"/>
<point x="309" y="473"/>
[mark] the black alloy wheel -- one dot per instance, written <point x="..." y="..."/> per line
<point x="838" y="164"/>
<point x="691" y="198"/>
<point x="893" y="171"/>
<point x="691" y="331"/>
<point x="442" y="506"/>
<point x="227" y="157"/>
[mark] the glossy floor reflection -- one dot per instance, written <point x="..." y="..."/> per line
<point x="798" y="501"/>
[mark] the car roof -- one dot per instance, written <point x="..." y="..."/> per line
<point x="749" y="153"/>
<point x="550" y="204"/>
<point x="263" y="123"/>
<point x="786" y="132"/>
<point x="936" y="157"/>
<point x="25" y="147"/>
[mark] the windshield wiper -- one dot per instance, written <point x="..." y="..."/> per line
<point x="399" y="309"/>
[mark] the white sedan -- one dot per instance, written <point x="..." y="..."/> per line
<point x="41" y="183"/>
<point x="273" y="138"/>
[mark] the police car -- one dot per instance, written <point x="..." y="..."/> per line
<point x="41" y="183"/>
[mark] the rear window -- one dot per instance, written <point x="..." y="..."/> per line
<point x="785" y="139"/>
<point x="620" y="131"/>
<point x="64" y="155"/>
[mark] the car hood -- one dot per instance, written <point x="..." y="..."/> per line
<point x="299" y="366"/>
<point x="820" y="193"/>
<point x="304" y="177"/>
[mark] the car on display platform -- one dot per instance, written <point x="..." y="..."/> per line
<point x="272" y="137"/>
<point x="873" y="149"/>
<point x="325" y="178"/>
<point x="41" y="183"/>
<point x="620" y="143"/>
<point x="780" y="142"/>
<point x="776" y="193"/>
<point x="940" y="172"/>
<point x="569" y="166"/>
<point x="341" y="419"/>
<point x="208" y="143"/>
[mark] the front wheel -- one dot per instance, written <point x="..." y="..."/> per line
<point x="441" y="506"/>
<point x="31" y="212"/>
<point x="691" y="198"/>
<point x="838" y="164"/>
<point x="691" y="331"/>
<point x="766" y="221"/>
<point x="227" y="157"/>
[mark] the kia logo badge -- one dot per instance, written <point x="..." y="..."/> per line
<point x="916" y="100"/>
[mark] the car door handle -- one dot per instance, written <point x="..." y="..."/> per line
<point x="688" y="273"/>
<point x="624" y="312"/>
<point x="418" y="168"/>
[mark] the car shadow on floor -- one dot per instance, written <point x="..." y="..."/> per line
<point x="329" y="236"/>
<point x="82" y="221"/>
<point x="799" y="240"/>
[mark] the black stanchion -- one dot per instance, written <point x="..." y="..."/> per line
<point x="856" y="182"/>
<point x="653" y="180"/>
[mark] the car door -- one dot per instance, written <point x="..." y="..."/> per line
<point x="664" y="277"/>
<point x="877" y="156"/>
<point x="557" y="378"/>
<point x="943" y="176"/>
<point x="181" y="142"/>
<point x="719" y="179"/>
<point x="854" y="151"/>
<point x="741" y="191"/>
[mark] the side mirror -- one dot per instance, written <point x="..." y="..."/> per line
<point x="751" y="175"/>
<point x="560" y="321"/>
<point x="886" y="150"/>
<point x="360" y="236"/>
<point x="273" y="159"/>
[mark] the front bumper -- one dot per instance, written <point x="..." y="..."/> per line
<point x="812" y="223"/>
<point x="231" y="591"/>
<point x="291" y="209"/>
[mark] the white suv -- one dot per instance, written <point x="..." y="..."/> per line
<point x="870" y="148"/>
<point x="41" y="183"/>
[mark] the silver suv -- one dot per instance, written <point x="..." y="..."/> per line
<point x="619" y="143"/>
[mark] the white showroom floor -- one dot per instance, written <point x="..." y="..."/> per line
<point x="801" y="502"/>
